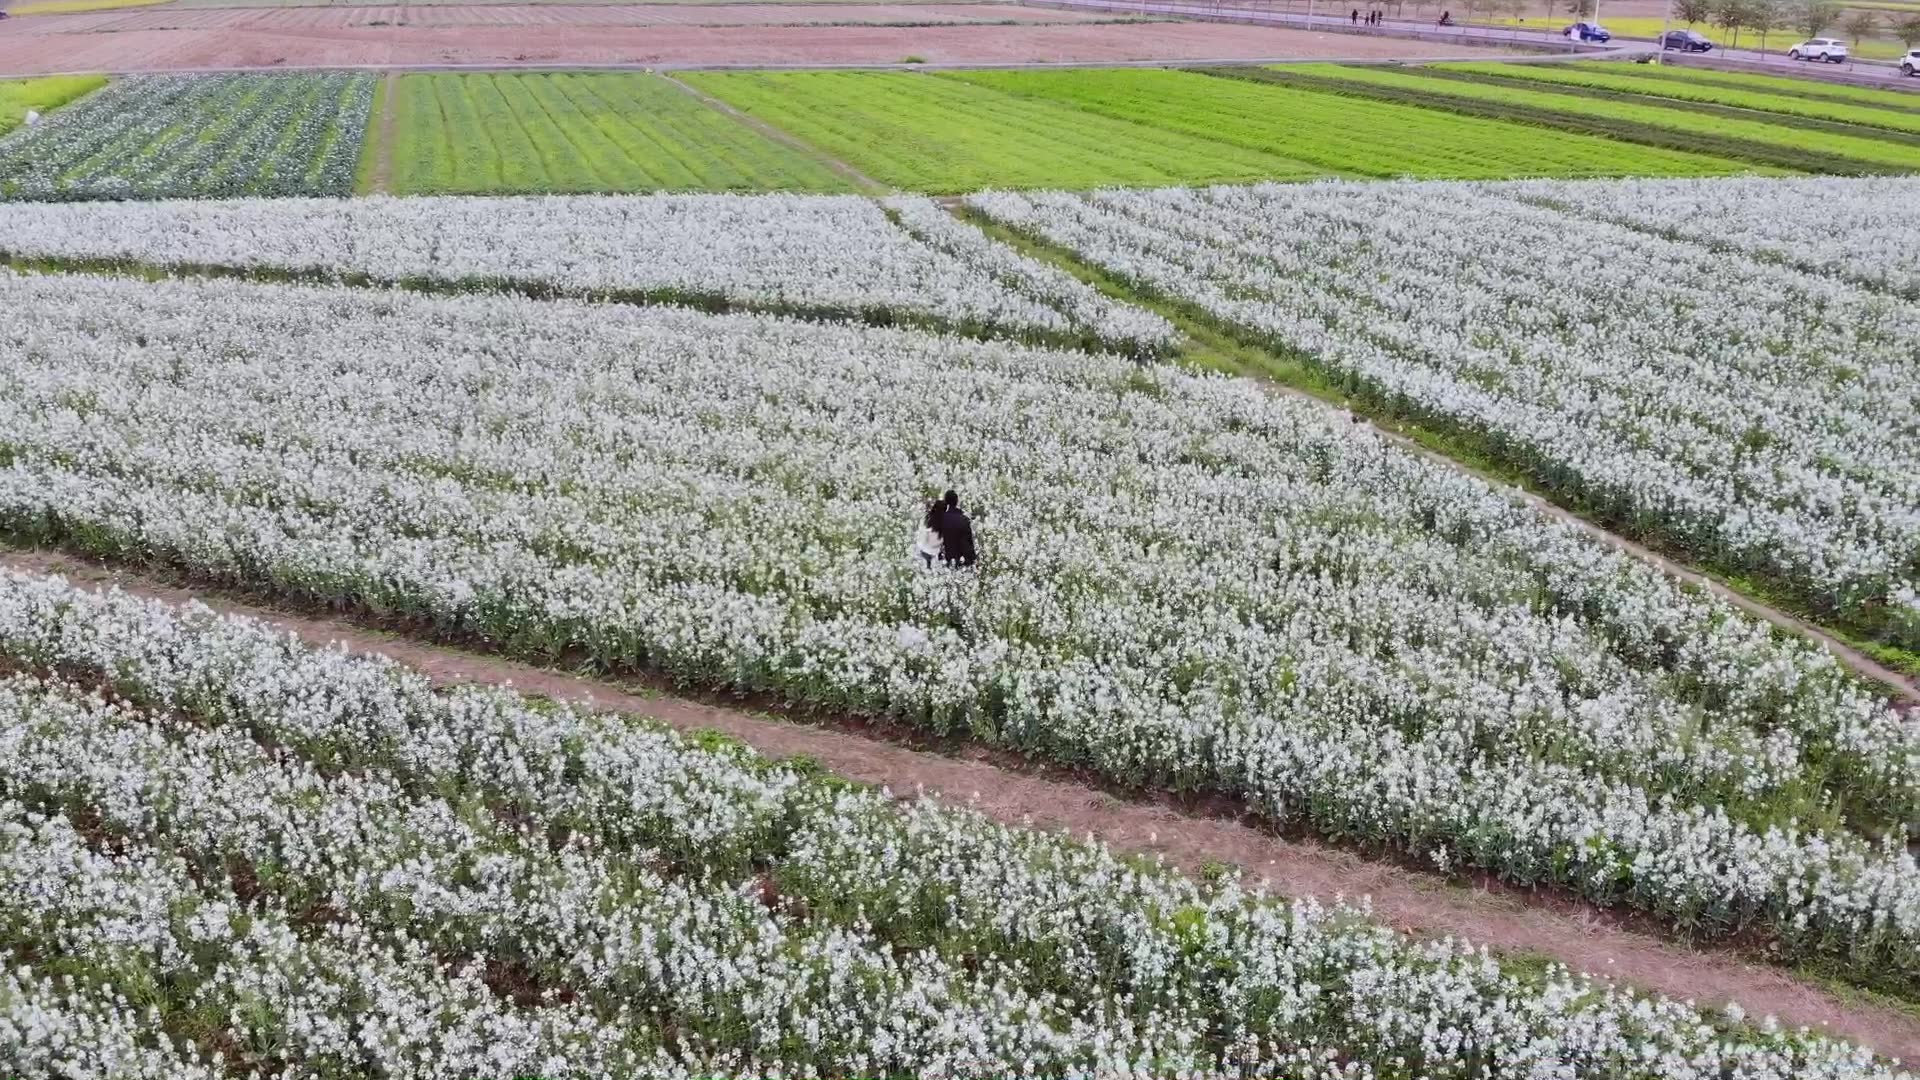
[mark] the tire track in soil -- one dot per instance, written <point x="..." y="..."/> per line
<point x="1504" y="919"/>
<point x="866" y="185"/>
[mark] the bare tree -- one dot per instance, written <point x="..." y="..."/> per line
<point x="1860" y="24"/>
<point x="1730" y="15"/>
<point x="1692" y="12"/>
<point x="1815" y="16"/>
<point x="1908" y="31"/>
<point x="1580" y="9"/>
<point x="1765" y="16"/>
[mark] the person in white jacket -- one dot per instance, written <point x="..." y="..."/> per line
<point x="926" y="542"/>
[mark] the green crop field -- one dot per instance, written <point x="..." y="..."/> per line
<point x="1339" y="134"/>
<point x="581" y="132"/>
<point x="19" y="95"/>
<point x="928" y="133"/>
<point x="1610" y="78"/>
<point x="1763" y="142"/>
<point x="1775" y="84"/>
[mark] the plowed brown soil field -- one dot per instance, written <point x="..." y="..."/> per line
<point x="334" y="39"/>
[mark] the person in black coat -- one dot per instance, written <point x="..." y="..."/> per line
<point x="956" y="533"/>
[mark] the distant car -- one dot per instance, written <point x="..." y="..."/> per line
<point x="1586" y="31"/>
<point x="1910" y="63"/>
<point x="1685" y="41"/>
<point x="1832" y="50"/>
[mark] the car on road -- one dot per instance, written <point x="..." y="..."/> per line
<point x="1910" y="63"/>
<point x="1832" y="50"/>
<point x="1586" y="31"/>
<point x="1685" y="41"/>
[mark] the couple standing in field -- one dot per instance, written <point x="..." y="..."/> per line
<point x="946" y="534"/>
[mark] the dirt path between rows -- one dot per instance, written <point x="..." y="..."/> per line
<point x="383" y="155"/>
<point x="862" y="183"/>
<point x="1506" y="920"/>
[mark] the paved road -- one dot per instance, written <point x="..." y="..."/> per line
<point x="1333" y="15"/>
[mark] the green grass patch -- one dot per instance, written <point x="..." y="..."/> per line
<point x="1808" y="89"/>
<point x="925" y="132"/>
<point x="582" y="132"/>
<point x="17" y="96"/>
<point x="1785" y="104"/>
<point x="1760" y="142"/>
<point x="366" y="173"/>
<point x="1339" y="134"/>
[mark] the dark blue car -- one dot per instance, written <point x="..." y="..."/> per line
<point x="1586" y="31"/>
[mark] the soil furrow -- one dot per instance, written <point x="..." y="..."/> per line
<point x="1506" y="920"/>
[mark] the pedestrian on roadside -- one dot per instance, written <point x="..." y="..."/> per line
<point x="1355" y="16"/>
<point x="956" y="533"/>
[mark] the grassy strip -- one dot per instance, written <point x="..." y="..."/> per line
<point x="17" y="96"/>
<point x="1340" y="135"/>
<point x="581" y="132"/>
<point x="366" y="176"/>
<point x="1903" y="100"/>
<point x="1216" y="345"/>
<point x="924" y="133"/>
<point x="1849" y="148"/>
<point x="1859" y="121"/>
<point x="713" y="303"/>
<point x="1563" y="113"/>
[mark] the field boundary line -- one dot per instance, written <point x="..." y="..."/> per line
<point x="1904" y="689"/>
<point x="866" y="185"/>
<point x="383" y="155"/>
<point x="1524" y="925"/>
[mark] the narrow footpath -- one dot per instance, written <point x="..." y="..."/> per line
<point x="1505" y="920"/>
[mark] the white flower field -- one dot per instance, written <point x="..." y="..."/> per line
<point x="1763" y="418"/>
<point x="1858" y="228"/>
<point x="318" y="863"/>
<point x="823" y="255"/>
<point x="693" y="437"/>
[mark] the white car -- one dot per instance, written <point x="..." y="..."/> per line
<point x="1910" y="63"/>
<point x="1829" y="49"/>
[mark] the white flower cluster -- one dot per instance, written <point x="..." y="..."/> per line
<point x="820" y="255"/>
<point x="1756" y="414"/>
<point x="1865" y="228"/>
<point x="1186" y="582"/>
<point x="253" y="858"/>
<point x="195" y="136"/>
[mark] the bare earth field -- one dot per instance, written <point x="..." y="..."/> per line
<point x="174" y="17"/>
<point x="25" y="52"/>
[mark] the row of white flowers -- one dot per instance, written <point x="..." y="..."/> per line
<point x="195" y="136"/>
<point x="1863" y="228"/>
<point x="1185" y="581"/>
<point x="1757" y="414"/>
<point x="317" y="863"/>
<point x="813" y="254"/>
